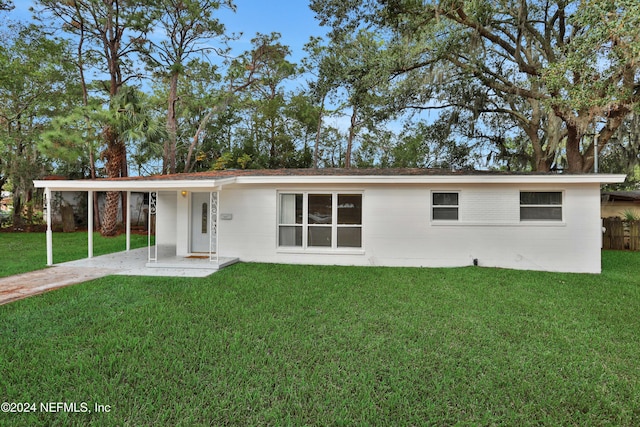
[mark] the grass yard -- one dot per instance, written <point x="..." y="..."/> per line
<point x="298" y="345"/>
<point x="23" y="252"/>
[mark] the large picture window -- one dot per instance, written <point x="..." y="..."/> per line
<point x="320" y="220"/>
<point x="540" y="206"/>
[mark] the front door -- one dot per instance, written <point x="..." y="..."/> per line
<point x="200" y="223"/>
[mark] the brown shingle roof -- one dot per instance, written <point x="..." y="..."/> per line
<point x="627" y="196"/>
<point x="231" y="173"/>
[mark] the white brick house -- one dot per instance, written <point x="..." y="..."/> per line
<point x="385" y="217"/>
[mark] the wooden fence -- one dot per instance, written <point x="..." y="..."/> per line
<point x="620" y="234"/>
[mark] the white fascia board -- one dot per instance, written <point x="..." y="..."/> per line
<point x="140" y="185"/>
<point x="214" y="184"/>
<point x="436" y="179"/>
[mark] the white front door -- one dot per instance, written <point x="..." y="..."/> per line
<point x="200" y="223"/>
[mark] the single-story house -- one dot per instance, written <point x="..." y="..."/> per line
<point x="383" y="217"/>
<point x="616" y="203"/>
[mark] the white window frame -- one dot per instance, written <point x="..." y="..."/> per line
<point x="288" y="224"/>
<point x="434" y="206"/>
<point x="544" y="220"/>
<point x="334" y="223"/>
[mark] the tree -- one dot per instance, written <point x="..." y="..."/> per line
<point x="189" y="26"/>
<point x="322" y="63"/>
<point x="260" y="72"/>
<point x="351" y="76"/>
<point x="560" y="69"/>
<point x="201" y="90"/>
<point x="243" y="72"/>
<point x="111" y="28"/>
<point x="622" y="154"/>
<point x="432" y="145"/>
<point x="267" y="133"/>
<point x="331" y="153"/>
<point x="35" y="85"/>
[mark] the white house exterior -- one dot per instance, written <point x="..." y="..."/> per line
<point x="383" y="217"/>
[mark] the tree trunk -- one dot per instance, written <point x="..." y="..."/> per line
<point x="574" y="156"/>
<point x="96" y="205"/>
<point x="540" y="156"/>
<point x="30" y="208"/>
<point x="352" y="134"/>
<point x="124" y="172"/>
<point x="116" y="167"/>
<point x="531" y="127"/>
<point x="274" y="161"/>
<point x="18" y="223"/>
<point x="110" y="222"/>
<point x="316" y="146"/>
<point x="196" y="139"/>
<point x="171" y="145"/>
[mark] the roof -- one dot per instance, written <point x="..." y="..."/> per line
<point x="626" y="196"/>
<point x="218" y="174"/>
<point x="218" y="179"/>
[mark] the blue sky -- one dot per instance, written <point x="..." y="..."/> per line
<point x="292" y="19"/>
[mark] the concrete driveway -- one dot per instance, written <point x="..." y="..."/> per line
<point x="132" y="263"/>
<point x="13" y="288"/>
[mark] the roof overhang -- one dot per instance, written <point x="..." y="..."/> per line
<point x="160" y="184"/>
<point x="139" y="185"/>
<point x="435" y="179"/>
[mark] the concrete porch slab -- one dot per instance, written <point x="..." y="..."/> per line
<point x="135" y="263"/>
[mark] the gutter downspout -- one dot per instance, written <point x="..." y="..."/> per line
<point x="595" y="152"/>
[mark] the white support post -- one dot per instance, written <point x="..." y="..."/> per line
<point x="47" y="195"/>
<point x="149" y="230"/>
<point x="211" y="207"/>
<point x="152" y="212"/>
<point x="128" y="220"/>
<point x="214" y="213"/>
<point x="90" y="224"/>
<point x="218" y="227"/>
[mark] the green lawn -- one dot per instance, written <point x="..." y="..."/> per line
<point x="298" y="345"/>
<point x="23" y="252"/>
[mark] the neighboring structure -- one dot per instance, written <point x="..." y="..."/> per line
<point x="77" y="200"/>
<point x="5" y="201"/>
<point x="386" y="217"/>
<point x="6" y="207"/>
<point x="616" y="203"/>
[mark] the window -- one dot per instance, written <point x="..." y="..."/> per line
<point x="540" y="206"/>
<point x="320" y="220"/>
<point x="444" y="206"/>
<point x="205" y="215"/>
<point x="290" y="222"/>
